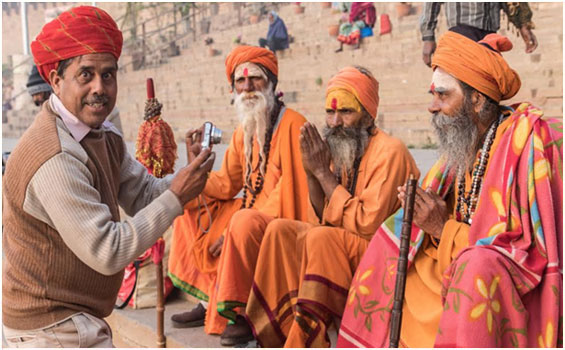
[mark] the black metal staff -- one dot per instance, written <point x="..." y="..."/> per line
<point x="396" y="318"/>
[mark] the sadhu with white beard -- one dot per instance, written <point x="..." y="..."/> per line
<point x="304" y="269"/>
<point x="263" y="159"/>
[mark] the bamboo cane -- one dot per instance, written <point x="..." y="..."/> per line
<point x="161" y="340"/>
<point x="396" y="318"/>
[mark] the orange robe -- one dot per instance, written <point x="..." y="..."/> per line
<point x="304" y="270"/>
<point x="284" y="195"/>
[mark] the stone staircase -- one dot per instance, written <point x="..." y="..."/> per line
<point x="193" y="86"/>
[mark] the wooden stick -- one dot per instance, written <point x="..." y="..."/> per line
<point x="396" y="318"/>
<point x="160" y="308"/>
<point x="161" y="340"/>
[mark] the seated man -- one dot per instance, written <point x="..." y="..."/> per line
<point x="263" y="160"/>
<point x="277" y="36"/>
<point x="361" y="15"/>
<point x="304" y="269"/>
<point x="485" y="264"/>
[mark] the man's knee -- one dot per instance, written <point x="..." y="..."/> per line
<point x="319" y="238"/>
<point x="246" y="222"/>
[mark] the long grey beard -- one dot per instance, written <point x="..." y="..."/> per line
<point x="346" y="144"/>
<point x="458" y="138"/>
<point x="254" y="111"/>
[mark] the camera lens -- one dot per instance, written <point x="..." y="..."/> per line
<point x="215" y="135"/>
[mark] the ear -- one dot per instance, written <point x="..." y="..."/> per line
<point x="56" y="81"/>
<point x="478" y="101"/>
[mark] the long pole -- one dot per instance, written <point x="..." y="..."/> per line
<point x="160" y="308"/>
<point x="25" y="35"/>
<point x="396" y="318"/>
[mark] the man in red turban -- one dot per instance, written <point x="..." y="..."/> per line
<point x="216" y="242"/>
<point x="305" y="268"/>
<point x="485" y="265"/>
<point x="65" y="247"/>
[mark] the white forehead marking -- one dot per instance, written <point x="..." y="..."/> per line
<point x="443" y="80"/>
<point x="253" y="70"/>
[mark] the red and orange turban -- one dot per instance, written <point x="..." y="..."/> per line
<point x="252" y="54"/>
<point x="365" y="88"/>
<point x="79" y="31"/>
<point x="477" y="65"/>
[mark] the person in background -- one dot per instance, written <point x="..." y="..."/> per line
<point x="475" y="20"/>
<point x="361" y="15"/>
<point x="277" y="36"/>
<point x="37" y="87"/>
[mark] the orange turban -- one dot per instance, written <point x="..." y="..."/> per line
<point x="251" y="54"/>
<point x="79" y="31"/>
<point x="363" y="87"/>
<point x="477" y="65"/>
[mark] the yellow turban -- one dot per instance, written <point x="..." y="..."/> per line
<point x="364" y="88"/>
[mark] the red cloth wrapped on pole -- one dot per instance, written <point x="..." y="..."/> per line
<point x="156" y="148"/>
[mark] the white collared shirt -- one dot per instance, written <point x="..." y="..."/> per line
<point x="77" y="128"/>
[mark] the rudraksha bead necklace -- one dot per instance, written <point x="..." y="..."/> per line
<point x="467" y="203"/>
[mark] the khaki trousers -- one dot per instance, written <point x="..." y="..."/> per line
<point x="80" y="330"/>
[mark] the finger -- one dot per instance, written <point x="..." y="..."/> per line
<point x="308" y="137"/>
<point x="200" y="159"/>
<point x="208" y="163"/>
<point x="212" y="248"/>
<point x="314" y="135"/>
<point x="195" y="149"/>
<point x="423" y="196"/>
<point x="188" y="134"/>
<point x="217" y="251"/>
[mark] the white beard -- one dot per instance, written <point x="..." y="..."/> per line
<point x="254" y="112"/>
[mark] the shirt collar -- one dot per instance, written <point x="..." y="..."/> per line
<point x="77" y="128"/>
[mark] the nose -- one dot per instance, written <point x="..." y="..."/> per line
<point x="335" y="120"/>
<point x="248" y="85"/>
<point x="97" y="85"/>
<point x="434" y="106"/>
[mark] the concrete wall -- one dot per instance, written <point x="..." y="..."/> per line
<point x="193" y="87"/>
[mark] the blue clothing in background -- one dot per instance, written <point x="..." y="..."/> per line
<point x="277" y="31"/>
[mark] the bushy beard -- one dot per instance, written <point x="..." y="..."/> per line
<point x="458" y="137"/>
<point x="346" y="145"/>
<point x="254" y="112"/>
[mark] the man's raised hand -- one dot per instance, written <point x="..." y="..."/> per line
<point x="190" y="180"/>
<point x="430" y="211"/>
<point x="316" y="155"/>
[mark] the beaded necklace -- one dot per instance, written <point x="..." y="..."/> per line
<point x="259" y="181"/>
<point x="351" y="177"/>
<point x="471" y="199"/>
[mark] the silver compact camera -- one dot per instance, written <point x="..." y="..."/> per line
<point x="211" y="135"/>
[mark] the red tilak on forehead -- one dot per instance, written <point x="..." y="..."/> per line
<point x="334" y="103"/>
<point x="245" y="72"/>
<point x="433" y="87"/>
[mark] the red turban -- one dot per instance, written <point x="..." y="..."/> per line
<point x="252" y="54"/>
<point x="79" y="31"/>
<point x="477" y="65"/>
<point x="364" y="88"/>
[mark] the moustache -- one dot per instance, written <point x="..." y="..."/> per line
<point x="340" y="131"/>
<point x="102" y="99"/>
